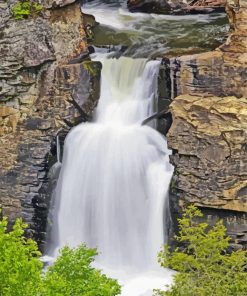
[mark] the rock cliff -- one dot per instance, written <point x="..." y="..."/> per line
<point x="208" y="135"/>
<point x="47" y="84"/>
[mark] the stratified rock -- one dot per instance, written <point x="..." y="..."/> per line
<point x="208" y="135"/>
<point x="37" y="82"/>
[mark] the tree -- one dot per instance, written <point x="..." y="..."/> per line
<point x="20" y="267"/>
<point x="21" y="271"/>
<point x="72" y="274"/>
<point x="202" y="263"/>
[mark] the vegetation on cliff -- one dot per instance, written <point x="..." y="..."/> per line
<point x="204" y="266"/>
<point x="21" y="271"/>
<point x="23" y="9"/>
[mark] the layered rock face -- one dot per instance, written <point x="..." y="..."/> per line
<point x="44" y="87"/>
<point x="209" y="131"/>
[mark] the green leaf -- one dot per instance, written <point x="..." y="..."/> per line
<point x="202" y="263"/>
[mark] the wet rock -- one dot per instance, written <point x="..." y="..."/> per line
<point x="176" y="6"/>
<point x="56" y="3"/>
<point x="82" y="81"/>
<point x="150" y="6"/>
<point x="164" y="97"/>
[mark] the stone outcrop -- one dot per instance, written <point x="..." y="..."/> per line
<point x="209" y="131"/>
<point x="47" y="84"/>
<point x="176" y="6"/>
<point x="210" y="134"/>
<point x="150" y="6"/>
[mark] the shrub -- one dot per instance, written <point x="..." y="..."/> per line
<point x="72" y="274"/>
<point x="203" y="264"/>
<point x="23" y="9"/>
<point x="20" y="267"/>
<point x="21" y="271"/>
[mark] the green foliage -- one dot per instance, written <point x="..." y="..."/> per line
<point x="204" y="267"/>
<point x="72" y="274"/>
<point x="91" y="68"/>
<point x="22" y="9"/>
<point x="20" y="267"/>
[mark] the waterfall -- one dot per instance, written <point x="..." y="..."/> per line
<point x="115" y="175"/>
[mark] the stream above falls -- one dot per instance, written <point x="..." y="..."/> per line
<point x="148" y="35"/>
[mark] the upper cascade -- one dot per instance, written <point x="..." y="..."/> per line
<point x="128" y="89"/>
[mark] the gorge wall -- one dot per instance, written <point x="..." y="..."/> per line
<point x="209" y="131"/>
<point x="47" y="84"/>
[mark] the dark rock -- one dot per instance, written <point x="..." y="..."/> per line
<point x="176" y="6"/>
<point x="150" y="6"/>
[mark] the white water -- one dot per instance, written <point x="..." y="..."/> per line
<point x="114" y="180"/>
<point x="116" y="15"/>
<point x="148" y="35"/>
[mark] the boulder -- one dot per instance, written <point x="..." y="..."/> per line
<point x="149" y="6"/>
<point x="176" y="6"/>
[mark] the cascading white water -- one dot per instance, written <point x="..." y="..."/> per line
<point x="115" y="177"/>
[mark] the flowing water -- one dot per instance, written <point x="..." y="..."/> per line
<point x="115" y="177"/>
<point x="113" y="185"/>
<point x="152" y="34"/>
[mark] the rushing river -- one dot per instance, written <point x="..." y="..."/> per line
<point x="113" y="185"/>
<point x="150" y="34"/>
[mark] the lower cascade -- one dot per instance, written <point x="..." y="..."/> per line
<point x="112" y="189"/>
